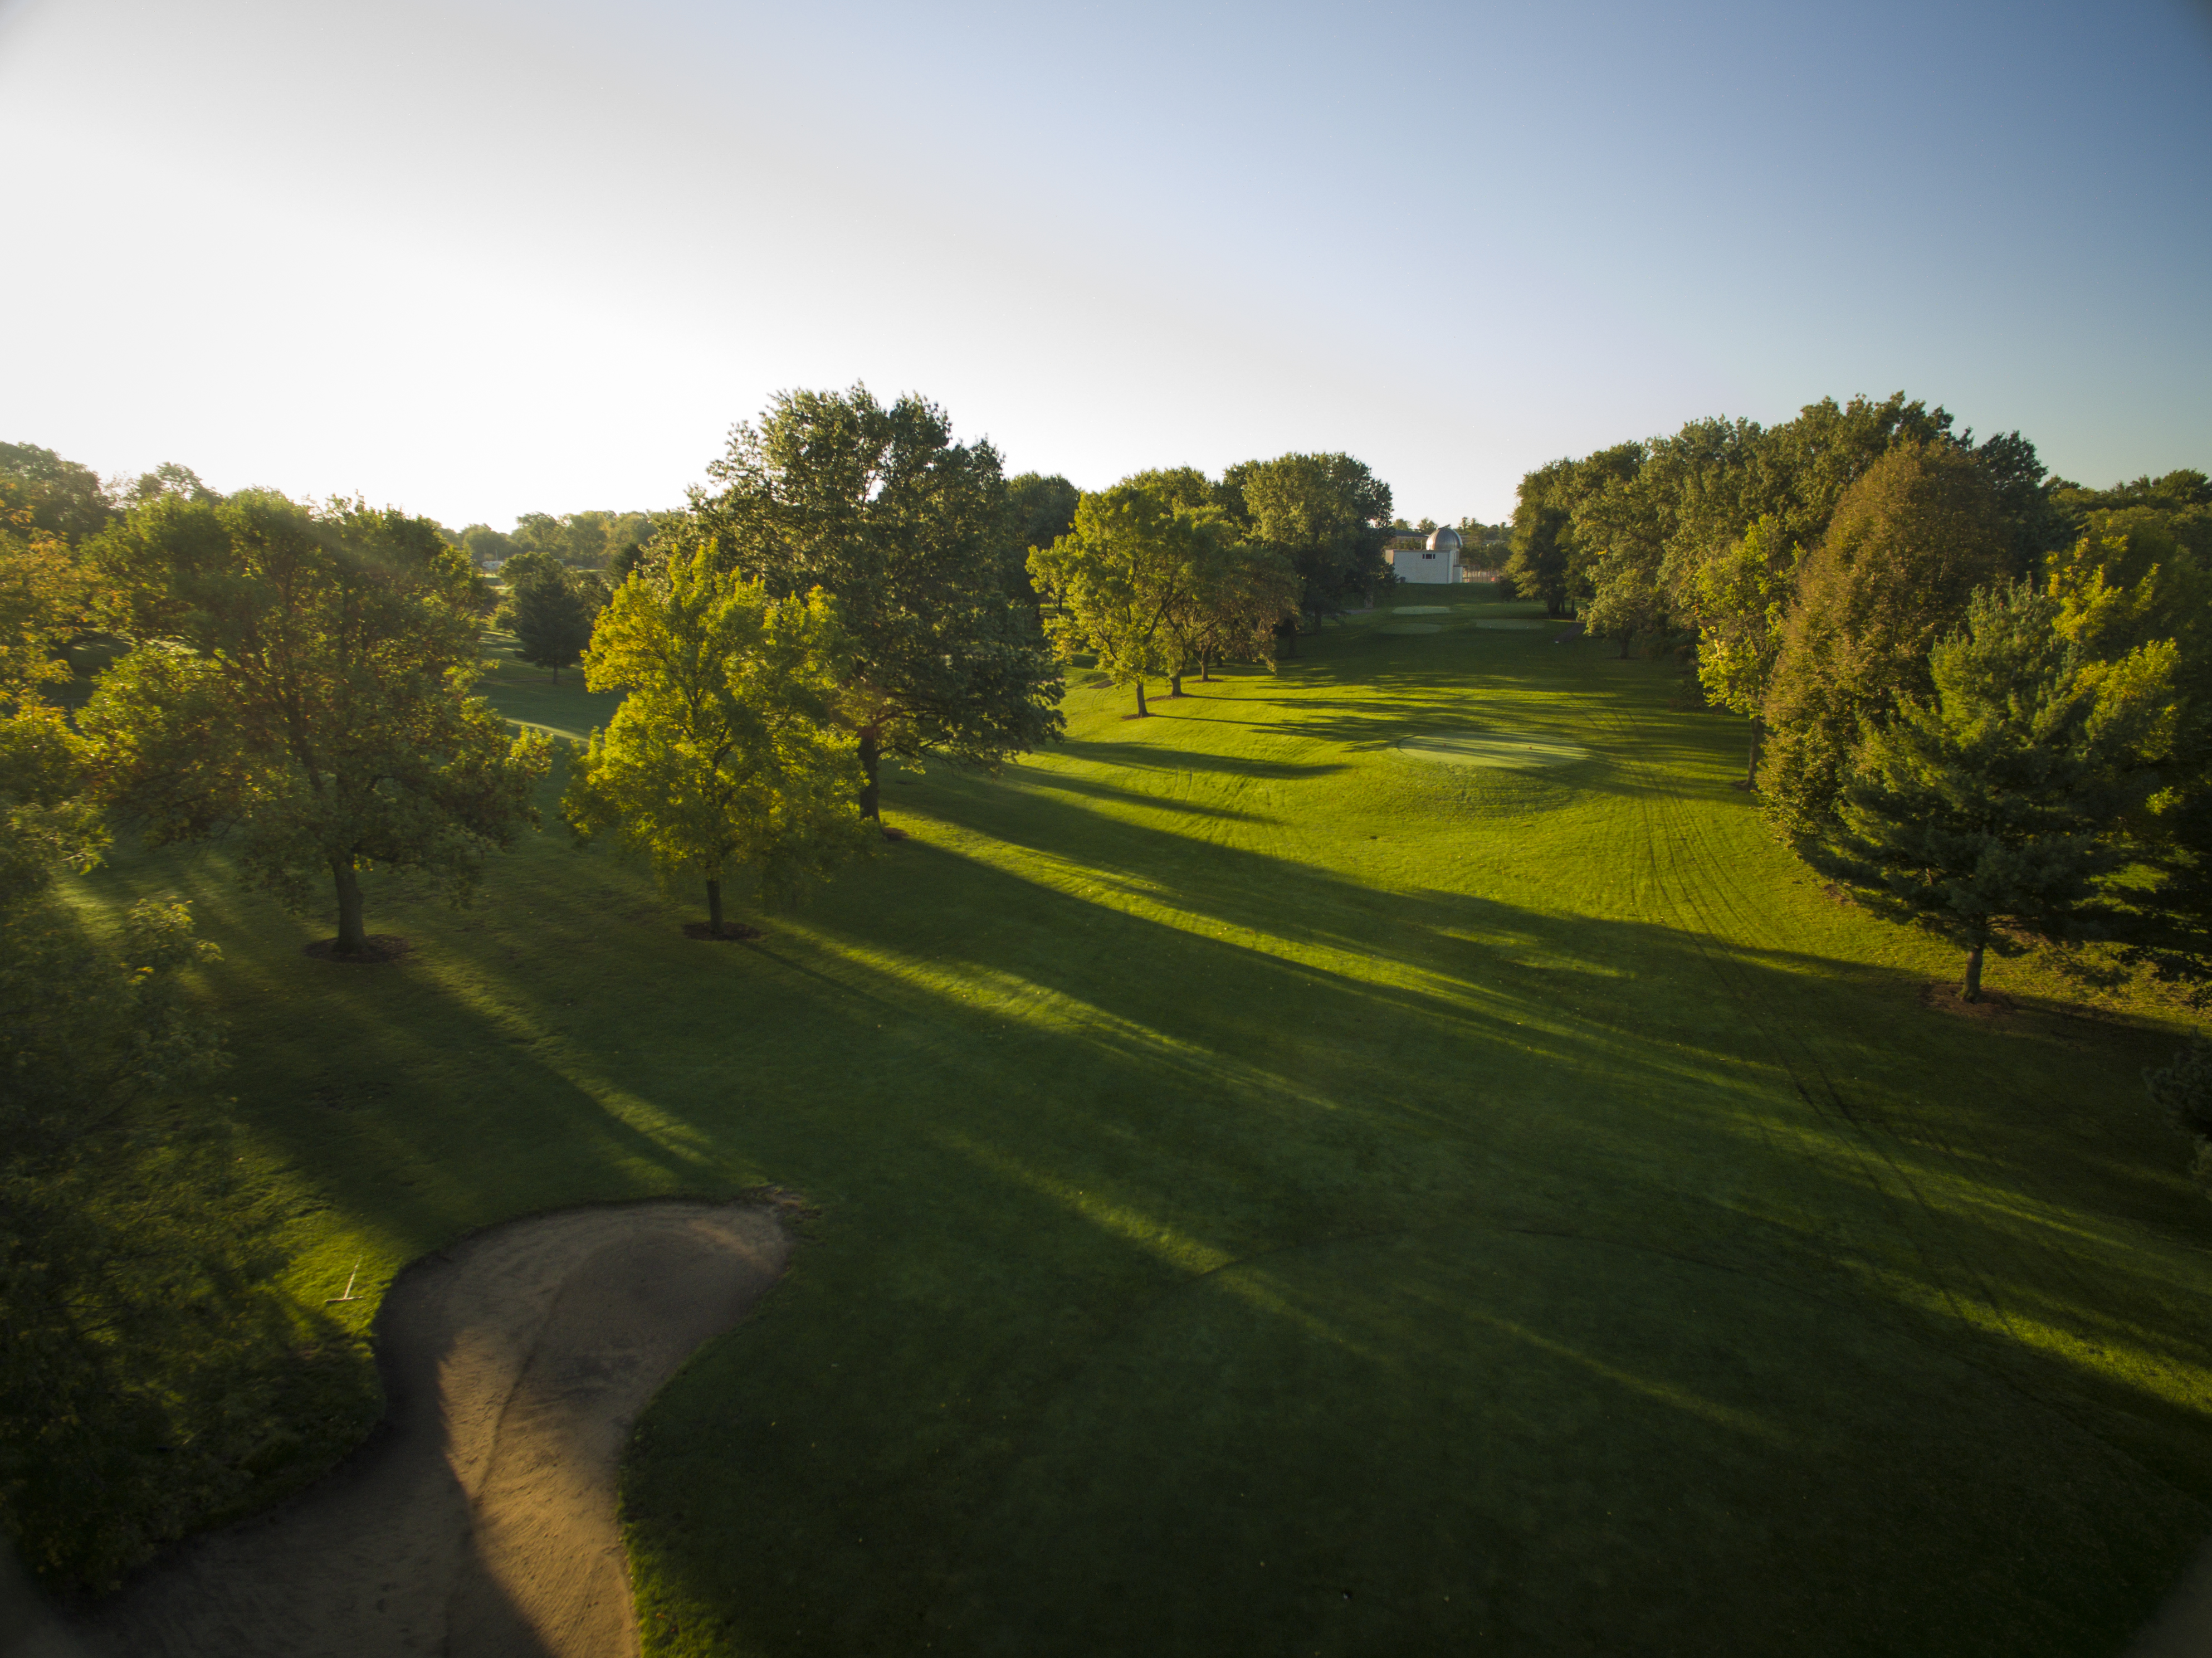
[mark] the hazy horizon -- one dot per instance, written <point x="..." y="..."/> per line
<point x="480" y="259"/>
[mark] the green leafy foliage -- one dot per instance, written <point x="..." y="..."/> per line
<point x="65" y="498"/>
<point x="2182" y="1088"/>
<point x="1990" y="802"/>
<point x="1327" y="517"/>
<point x="149" y="1378"/>
<point x="905" y="529"/>
<point x="1039" y="510"/>
<point x="1552" y="554"/>
<point x="549" y="609"/>
<point x="302" y="679"/>
<point x="1910" y="543"/>
<point x="1128" y="573"/>
<point x="721" y="754"/>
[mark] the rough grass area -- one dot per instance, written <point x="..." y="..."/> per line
<point x="1278" y="1197"/>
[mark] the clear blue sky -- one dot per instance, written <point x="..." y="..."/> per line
<point x="478" y="257"/>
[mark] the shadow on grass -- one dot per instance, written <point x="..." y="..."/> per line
<point x="1098" y="1142"/>
<point x="1046" y="1092"/>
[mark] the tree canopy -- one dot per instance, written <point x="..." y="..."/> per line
<point x="1909" y="543"/>
<point x="722" y="752"/>
<point x="302" y="678"/>
<point x="906" y="529"/>
<point x="549" y="609"/>
<point x="1132" y="560"/>
<point x="1326" y="516"/>
<point x="1990" y="801"/>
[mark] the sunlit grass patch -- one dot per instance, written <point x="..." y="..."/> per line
<point x="1510" y="751"/>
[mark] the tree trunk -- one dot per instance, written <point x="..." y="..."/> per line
<point x="1175" y="684"/>
<point x="1141" y="709"/>
<point x="715" y="908"/>
<point x="1972" y="992"/>
<point x="1288" y="633"/>
<point x="1206" y="670"/>
<point x="1625" y="639"/>
<point x="557" y="673"/>
<point x="872" y="755"/>
<point x="1750" y="772"/>
<point x="352" y="938"/>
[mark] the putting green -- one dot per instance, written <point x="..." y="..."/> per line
<point x="1515" y="622"/>
<point x="1421" y="610"/>
<point x="1411" y="627"/>
<point x="1512" y="750"/>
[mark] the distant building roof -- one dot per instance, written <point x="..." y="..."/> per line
<point x="1445" y="541"/>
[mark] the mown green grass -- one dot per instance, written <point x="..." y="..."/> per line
<point x="1277" y="1194"/>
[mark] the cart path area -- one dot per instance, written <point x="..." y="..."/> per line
<point x="479" y="1520"/>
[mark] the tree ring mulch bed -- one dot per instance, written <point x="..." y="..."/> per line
<point x="377" y="947"/>
<point x="732" y="931"/>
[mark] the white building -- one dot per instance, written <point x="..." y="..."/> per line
<point x="1436" y="559"/>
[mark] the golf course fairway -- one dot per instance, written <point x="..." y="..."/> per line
<point x="1275" y="1191"/>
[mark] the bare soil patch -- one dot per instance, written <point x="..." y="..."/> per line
<point x="1947" y="998"/>
<point x="479" y="1520"/>
<point x="376" y="947"/>
<point x="731" y="932"/>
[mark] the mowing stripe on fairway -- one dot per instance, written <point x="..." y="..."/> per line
<point x="1511" y="750"/>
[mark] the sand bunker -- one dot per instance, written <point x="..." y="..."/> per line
<point x="1421" y="610"/>
<point x="480" y="1521"/>
<point x="1411" y="627"/>
<point x="1511" y="750"/>
<point x="1517" y="624"/>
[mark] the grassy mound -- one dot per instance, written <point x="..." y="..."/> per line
<point x="1236" y="1143"/>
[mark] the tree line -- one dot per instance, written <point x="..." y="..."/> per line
<point x="1978" y="695"/>
<point x="298" y="680"/>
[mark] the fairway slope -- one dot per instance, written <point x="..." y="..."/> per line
<point x="1284" y="1193"/>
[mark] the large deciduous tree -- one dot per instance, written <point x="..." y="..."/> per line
<point x="1326" y="516"/>
<point x="1244" y="593"/>
<point x="141" y="1357"/>
<point x="1553" y="550"/>
<point x="1039" y="510"/>
<point x="1909" y="543"/>
<point x="721" y="754"/>
<point x="905" y="529"/>
<point x="65" y="499"/>
<point x="1132" y="562"/>
<point x="1739" y="599"/>
<point x="1994" y="800"/>
<point x="302" y="679"/>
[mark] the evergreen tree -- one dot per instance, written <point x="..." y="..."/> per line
<point x="549" y="611"/>
<point x="2183" y="1089"/>
<point x="1992" y="802"/>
